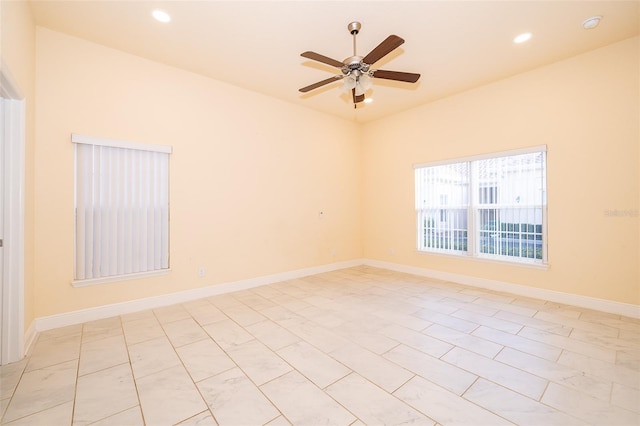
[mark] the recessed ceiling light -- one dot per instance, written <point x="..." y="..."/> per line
<point x="161" y="15"/>
<point x="522" y="38"/>
<point x="368" y="100"/>
<point x="591" y="23"/>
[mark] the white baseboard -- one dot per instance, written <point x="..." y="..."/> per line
<point x="107" y="311"/>
<point x="619" y="308"/>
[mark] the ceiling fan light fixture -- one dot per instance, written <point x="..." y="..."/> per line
<point x="350" y="83"/>
<point x="365" y="81"/>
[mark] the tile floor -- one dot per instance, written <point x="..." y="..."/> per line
<point x="351" y="347"/>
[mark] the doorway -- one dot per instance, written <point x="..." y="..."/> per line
<point x="12" y="166"/>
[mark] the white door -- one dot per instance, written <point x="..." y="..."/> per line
<point x="12" y="141"/>
<point x="3" y="129"/>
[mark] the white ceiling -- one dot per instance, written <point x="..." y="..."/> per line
<point x="455" y="45"/>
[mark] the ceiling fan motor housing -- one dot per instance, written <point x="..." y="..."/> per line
<point x="354" y="27"/>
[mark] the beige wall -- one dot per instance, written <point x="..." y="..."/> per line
<point x="249" y="173"/>
<point x="17" y="50"/>
<point x="585" y="109"/>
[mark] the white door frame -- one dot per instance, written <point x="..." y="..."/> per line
<point x="14" y="171"/>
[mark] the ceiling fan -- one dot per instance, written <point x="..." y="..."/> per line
<point x="356" y="70"/>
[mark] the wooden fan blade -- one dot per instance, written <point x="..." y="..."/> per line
<point x="387" y="46"/>
<point x="358" y="98"/>
<point x="396" y="75"/>
<point x="321" y="83"/>
<point x="321" y="58"/>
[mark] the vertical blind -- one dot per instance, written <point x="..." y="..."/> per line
<point x="122" y="208"/>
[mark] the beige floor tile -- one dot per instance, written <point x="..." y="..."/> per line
<point x="497" y="372"/>
<point x="601" y="370"/>
<point x="372" y="340"/>
<point x="272" y="334"/>
<point x="141" y="330"/>
<point x="227" y="333"/>
<point x="205" y="313"/>
<point x="101" y="329"/>
<point x="463" y="340"/>
<point x="417" y="340"/>
<point x="444" y="406"/>
<point x="235" y="400"/>
<point x="316" y="335"/>
<point x="363" y="341"/>
<point x="446" y="375"/>
<point x="41" y="389"/>
<point x="204" y="359"/>
<point x="516" y="407"/>
<point x="130" y="417"/>
<point x="280" y="421"/>
<point x="169" y="397"/>
<point x="10" y="375"/>
<point x="606" y="341"/>
<point x="183" y="332"/>
<point x="202" y="419"/>
<point x="488" y="321"/>
<point x="506" y="307"/>
<point x="258" y="362"/>
<point x="559" y="329"/>
<point x="589" y="349"/>
<point x="305" y="404"/>
<point x="171" y="313"/>
<point x="375" y="368"/>
<point x="54" y="350"/>
<point x="554" y="372"/>
<point x="103" y="353"/>
<point x="315" y="365"/>
<point x="450" y="321"/>
<point x="243" y="315"/>
<point x="628" y="359"/>
<point x="578" y="324"/>
<point x="152" y="356"/>
<point x="626" y="397"/>
<point x="586" y="408"/>
<point x="519" y="343"/>
<point x="104" y="393"/>
<point x="372" y="405"/>
<point x="58" y="415"/>
<point x="405" y="320"/>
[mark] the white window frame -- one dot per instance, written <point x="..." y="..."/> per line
<point x="473" y="231"/>
<point x="78" y="139"/>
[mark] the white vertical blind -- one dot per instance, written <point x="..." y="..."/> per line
<point x="122" y="209"/>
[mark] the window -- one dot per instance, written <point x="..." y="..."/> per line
<point x="490" y="206"/>
<point x="121" y="209"/>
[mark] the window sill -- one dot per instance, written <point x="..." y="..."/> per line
<point x="531" y="265"/>
<point x="119" y="278"/>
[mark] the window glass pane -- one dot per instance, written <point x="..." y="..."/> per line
<point x="489" y="207"/>
<point x="515" y="185"/>
<point x="442" y="200"/>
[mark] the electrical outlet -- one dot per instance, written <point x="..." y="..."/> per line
<point x="201" y="272"/>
